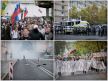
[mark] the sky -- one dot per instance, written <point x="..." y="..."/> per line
<point x="33" y="10"/>
<point x="29" y="49"/>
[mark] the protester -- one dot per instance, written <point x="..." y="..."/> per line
<point x="82" y="65"/>
<point x="35" y="34"/>
<point x="49" y="34"/>
<point x="15" y="34"/>
<point x="95" y="30"/>
<point x="25" y="29"/>
<point x="25" y="34"/>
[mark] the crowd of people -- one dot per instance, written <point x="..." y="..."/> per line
<point x="95" y="30"/>
<point x="35" y="28"/>
<point x="76" y="64"/>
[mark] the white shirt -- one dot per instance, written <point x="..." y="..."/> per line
<point x="14" y="34"/>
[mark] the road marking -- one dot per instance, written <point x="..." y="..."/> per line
<point x="46" y="71"/>
<point x="43" y="69"/>
<point x="26" y="64"/>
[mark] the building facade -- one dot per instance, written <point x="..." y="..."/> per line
<point x="60" y="10"/>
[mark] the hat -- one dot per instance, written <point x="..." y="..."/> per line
<point x="35" y="26"/>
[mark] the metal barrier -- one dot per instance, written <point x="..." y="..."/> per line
<point x="10" y="71"/>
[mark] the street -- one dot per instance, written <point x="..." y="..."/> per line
<point x="79" y="37"/>
<point x="88" y="76"/>
<point x="28" y="69"/>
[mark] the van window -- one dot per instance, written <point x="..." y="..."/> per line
<point x="77" y="22"/>
<point x="64" y="23"/>
<point x="69" y="23"/>
<point x="72" y="23"/>
<point x="61" y="23"/>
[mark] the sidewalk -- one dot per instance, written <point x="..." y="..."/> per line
<point x="78" y="37"/>
<point x="88" y="76"/>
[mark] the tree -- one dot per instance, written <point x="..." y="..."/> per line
<point x="84" y="47"/>
<point x="82" y="14"/>
<point x="59" y="47"/>
<point x="94" y="14"/>
<point x="73" y="12"/>
<point x="94" y="11"/>
<point x="102" y="15"/>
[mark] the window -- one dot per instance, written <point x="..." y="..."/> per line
<point x="62" y="12"/>
<point x="62" y="7"/>
<point x="69" y="24"/>
<point x="72" y="23"/>
<point x="77" y="22"/>
<point x="62" y="18"/>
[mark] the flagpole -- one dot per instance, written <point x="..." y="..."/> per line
<point x="22" y="14"/>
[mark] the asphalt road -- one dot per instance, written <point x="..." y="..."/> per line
<point x="46" y="64"/>
<point x="88" y="76"/>
<point x="30" y="70"/>
<point x="79" y="37"/>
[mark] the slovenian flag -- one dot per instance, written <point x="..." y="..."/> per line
<point x="15" y="14"/>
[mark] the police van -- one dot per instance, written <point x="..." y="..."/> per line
<point x="69" y="26"/>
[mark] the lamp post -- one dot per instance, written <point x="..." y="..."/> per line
<point x="22" y="14"/>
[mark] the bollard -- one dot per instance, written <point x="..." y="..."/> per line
<point x="10" y="71"/>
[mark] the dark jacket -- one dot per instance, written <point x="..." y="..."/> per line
<point x="36" y="35"/>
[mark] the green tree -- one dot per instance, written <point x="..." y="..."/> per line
<point x="94" y="14"/>
<point x="84" y="47"/>
<point x="102" y="15"/>
<point x="73" y="12"/>
<point x="94" y="11"/>
<point x="59" y="47"/>
<point x="82" y="14"/>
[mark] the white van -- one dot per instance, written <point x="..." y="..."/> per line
<point x="68" y="26"/>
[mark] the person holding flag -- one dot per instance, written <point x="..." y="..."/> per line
<point x="14" y="18"/>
